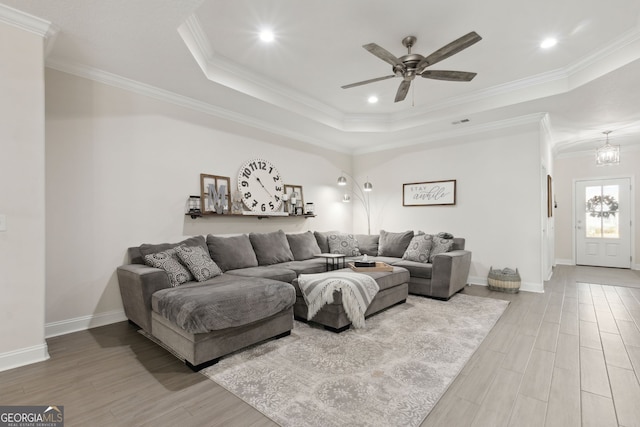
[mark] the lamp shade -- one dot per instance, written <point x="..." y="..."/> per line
<point x="342" y="180"/>
<point x="346" y="198"/>
<point x="368" y="186"/>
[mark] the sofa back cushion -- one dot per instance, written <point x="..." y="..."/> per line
<point x="231" y="253"/>
<point x="303" y="245"/>
<point x="271" y="248"/>
<point x="321" y="238"/>
<point x="368" y="243"/>
<point x="394" y="244"/>
<point x="137" y="253"/>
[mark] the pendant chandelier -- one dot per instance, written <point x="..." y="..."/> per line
<point x="607" y="154"/>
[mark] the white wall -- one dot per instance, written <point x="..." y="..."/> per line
<point x="580" y="167"/>
<point x="498" y="197"/>
<point x="119" y="169"/>
<point x="22" y="188"/>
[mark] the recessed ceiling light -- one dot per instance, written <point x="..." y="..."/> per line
<point x="372" y="99"/>
<point x="266" y="36"/>
<point x="548" y="43"/>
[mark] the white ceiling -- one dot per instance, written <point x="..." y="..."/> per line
<point x="206" y="54"/>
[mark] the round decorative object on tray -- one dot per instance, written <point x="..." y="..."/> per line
<point x="261" y="186"/>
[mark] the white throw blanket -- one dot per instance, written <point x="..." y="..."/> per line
<point x="358" y="290"/>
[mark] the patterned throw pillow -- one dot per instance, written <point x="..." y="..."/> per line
<point x="198" y="262"/>
<point x="345" y="244"/>
<point x="419" y="248"/>
<point x="440" y="246"/>
<point x="168" y="261"/>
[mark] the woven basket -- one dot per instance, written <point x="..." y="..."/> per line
<point x="509" y="283"/>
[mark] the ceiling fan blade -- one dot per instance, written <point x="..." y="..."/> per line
<point x="366" y="82"/>
<point x="453" y="76"/>
<point x="403" y="90"/>
<point x="448" y="50"/>
<point x="383" y="54"/>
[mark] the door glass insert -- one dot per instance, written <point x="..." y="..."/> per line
<point x="602" y="211"/>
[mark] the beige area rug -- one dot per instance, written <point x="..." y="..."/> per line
<point x="392" y="373"/>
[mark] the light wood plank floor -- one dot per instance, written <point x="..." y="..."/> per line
<point x="568" y="357"/>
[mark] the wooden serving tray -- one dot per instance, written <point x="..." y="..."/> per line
<point x="380" y="266"/>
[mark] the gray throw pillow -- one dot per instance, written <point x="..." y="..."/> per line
<point x="231" y="253"/>
<point x="322" y="240"/>
<point x="271" y="248"/>
<point x="198" y="262"/>
<point x="419" y="248"/>
<point x="345" y="244"/>
<point x="303" y="246"/>
<point x="394" y="244"/>
<point x="368" y="243"/>
<point x="440" y="246"/>
<point x="168" y="261"/>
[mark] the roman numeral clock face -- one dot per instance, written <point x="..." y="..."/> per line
<point x="260" y="185"/>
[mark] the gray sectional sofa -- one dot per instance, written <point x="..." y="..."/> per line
<point x="243" y="292"/>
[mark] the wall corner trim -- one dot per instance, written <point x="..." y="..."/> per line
<point x="23" y="356"/>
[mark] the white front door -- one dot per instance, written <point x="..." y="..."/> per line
<point x="603" y="222"/>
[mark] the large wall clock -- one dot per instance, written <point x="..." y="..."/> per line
<point x="261" y="186"/>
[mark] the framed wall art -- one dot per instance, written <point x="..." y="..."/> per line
<point x="431" y="193"/>
<point x="295" y="198"/>
<point x="215" y="193"/>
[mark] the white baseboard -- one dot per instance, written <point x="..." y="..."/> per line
<point x="562" y="261"/>
<point x="524" y="286"/>
<point x="23" y="356"/>
<point x="68" y="326"/>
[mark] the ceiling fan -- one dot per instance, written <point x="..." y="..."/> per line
<point x="412" y="64"/>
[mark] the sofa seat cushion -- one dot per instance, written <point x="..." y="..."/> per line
<point x="309" y="266"/>
<point x="224" y="304"/>
<point x="417" y="269"/>
<point x="384" y="279"/>
<point x="273" y="272"/>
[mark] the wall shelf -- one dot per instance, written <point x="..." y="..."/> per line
<point x="213" y="214"/>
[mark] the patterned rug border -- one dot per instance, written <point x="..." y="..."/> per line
<point x="240" y="358"/>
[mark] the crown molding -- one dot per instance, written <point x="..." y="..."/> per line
<point x="224" y="71"/>
<point x="27" y="22"/>
<point x="184" y="101"/>
<point x="475" y="130"/>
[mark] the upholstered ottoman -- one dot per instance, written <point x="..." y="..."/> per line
<point x="204" y="322"/>
<point x="394" y="289"/>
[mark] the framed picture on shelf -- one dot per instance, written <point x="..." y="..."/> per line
<point x="295" y="199"/>
<point x="431" y="193"/>
<point x="215" y="193"/>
